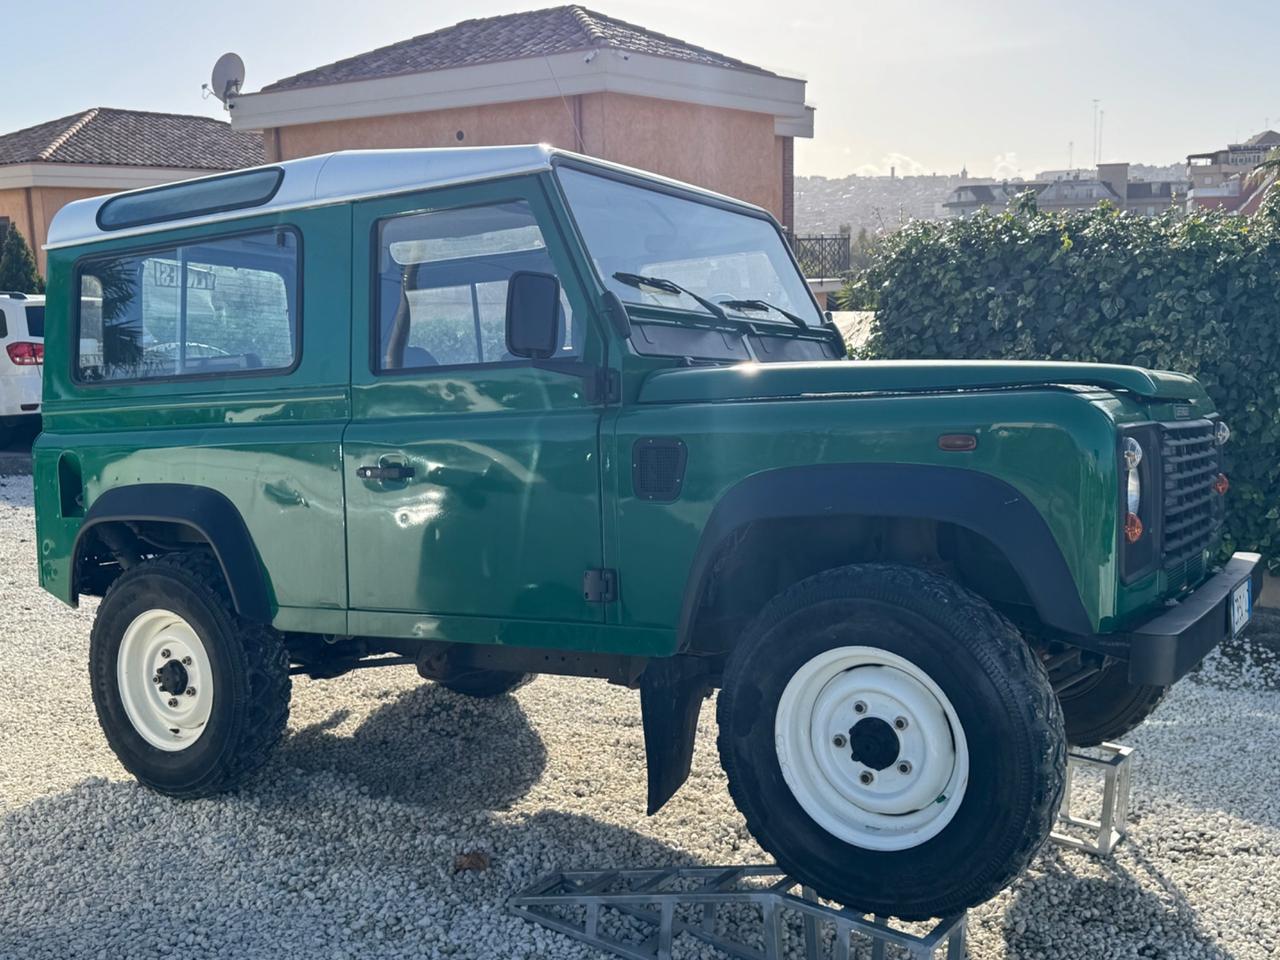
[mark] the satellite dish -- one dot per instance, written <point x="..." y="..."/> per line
<point x="228" y="76"/>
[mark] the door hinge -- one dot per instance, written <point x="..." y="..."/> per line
<point x="605" y="386"/>
<point x="600" y="585"/>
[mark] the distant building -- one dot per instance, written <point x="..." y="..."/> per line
<point x="566" y="76"/>
<point x="969" y="198"/>
<point x="103" y="150"/>
<point x="1072" y="191"/>
<point x="1212" y="169"/>
<point x="1223" y="179"/>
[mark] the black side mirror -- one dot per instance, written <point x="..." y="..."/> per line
<point x="533" y="314"/>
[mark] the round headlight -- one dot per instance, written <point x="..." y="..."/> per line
<point x="1133" y="492"/>
<point x="1222" y="433"/>
<point x="1132" y="453"/>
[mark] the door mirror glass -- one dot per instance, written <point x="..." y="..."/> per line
<point x="533" y="314"/>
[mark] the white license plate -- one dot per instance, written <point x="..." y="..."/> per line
<point x="1241" y="606"/>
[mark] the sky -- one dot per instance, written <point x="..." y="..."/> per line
<point x="1000" y="86"/>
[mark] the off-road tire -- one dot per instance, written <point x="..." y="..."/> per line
<point x="486" y="684"/>
<point x="250" y="707"/>
<point x="1107" y="706"/>
<point x="1001" y="695"/>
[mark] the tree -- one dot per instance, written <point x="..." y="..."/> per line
<point x="18" y="265"/>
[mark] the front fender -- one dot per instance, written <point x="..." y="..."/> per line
<point x="967" y="498"/>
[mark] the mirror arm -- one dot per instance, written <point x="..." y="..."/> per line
<point x="617" y="314"/>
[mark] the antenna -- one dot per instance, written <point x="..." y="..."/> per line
<point x="1096" y="101"/>
<point x="227" y="79"/>
<point x="1102" y="115"/>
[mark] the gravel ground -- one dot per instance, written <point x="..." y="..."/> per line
<point x="347" y="845"/>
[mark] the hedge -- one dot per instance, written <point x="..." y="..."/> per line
<point x="1198" y="293"/>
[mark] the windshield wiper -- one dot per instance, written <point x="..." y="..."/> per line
<point x="764" y="305"/>
<point x="670" y="286"/>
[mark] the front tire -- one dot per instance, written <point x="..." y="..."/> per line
<point x="891" y="740"/>
<point x="192" y="698"/>
<point x="485" y="684"/>
<point x="1107" y="706"/>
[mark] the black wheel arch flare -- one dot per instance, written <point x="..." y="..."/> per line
<point x="206" y="511"/>
<point x="967" y="498"/>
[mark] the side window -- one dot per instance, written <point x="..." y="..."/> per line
<point x="441" y="296"/>
<point x="224" y="305"/>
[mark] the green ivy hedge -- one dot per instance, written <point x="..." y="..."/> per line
<point x="1198" y="293"/>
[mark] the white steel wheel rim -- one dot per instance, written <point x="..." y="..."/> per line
<point x="825" y="763"/>
<point x="165" y="680"/>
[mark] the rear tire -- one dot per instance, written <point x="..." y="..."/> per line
<point x="943" y="700"/>
<point x="1107" y="706"/>
<point x="192" y="698"/>
<point x="485" y="684"/>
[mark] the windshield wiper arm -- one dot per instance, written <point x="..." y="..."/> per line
<point x="670" y="286"/>
<point x="764" y="305"/>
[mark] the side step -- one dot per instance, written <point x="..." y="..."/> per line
<point x="652" y="907"/>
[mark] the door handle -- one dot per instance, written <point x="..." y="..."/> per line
<point x="385" y="472"/>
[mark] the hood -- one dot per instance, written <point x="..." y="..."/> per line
<point x="752" y="381"/>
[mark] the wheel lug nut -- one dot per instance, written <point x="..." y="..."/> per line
<point x="164" y="654"/>
<point x="904" y="767"/>
<point x="173" y="701"/>
<point x="191" y="691"/>
<point x="867" y="777"/>
<point x="859" y="707"/>
<point x="900" y="723"/>
<point x="839" y="740"/>
<point x="186" y="661"/>
<point x="156" y="678"/>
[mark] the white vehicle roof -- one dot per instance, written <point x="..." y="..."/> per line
<point x="22" y="299"/>
<point x="349" y="175"/>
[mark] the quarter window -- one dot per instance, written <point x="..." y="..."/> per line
<point x="222" y="306"/>
<point x="442" y="285"/>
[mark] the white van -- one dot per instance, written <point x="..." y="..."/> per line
<point x="21" y="361"/>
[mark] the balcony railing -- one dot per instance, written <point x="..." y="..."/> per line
<point x="822" y="256"/>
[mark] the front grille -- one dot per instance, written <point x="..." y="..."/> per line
<point x="1192" y="518"/>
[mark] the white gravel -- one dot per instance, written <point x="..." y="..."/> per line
<point x="345" y="846"/>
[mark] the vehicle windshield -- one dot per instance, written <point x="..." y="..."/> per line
<point x="730" y="258"/>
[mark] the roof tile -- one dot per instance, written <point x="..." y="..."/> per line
<point x="512" y="36"/>
<point x="133" y="138"/>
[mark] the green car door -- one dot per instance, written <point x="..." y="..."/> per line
<point x="472" y="475"/>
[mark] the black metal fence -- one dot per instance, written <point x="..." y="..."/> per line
<point x="822" y="256"/>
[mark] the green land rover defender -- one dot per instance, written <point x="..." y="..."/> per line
<point x="503" y="411"/>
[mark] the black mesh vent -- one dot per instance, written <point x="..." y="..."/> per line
<point x="1192" y="509"/>
<point x="657" y="467"/>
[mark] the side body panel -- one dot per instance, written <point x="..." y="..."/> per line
<point x="270" y="443"/>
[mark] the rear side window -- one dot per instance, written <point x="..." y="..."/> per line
<point x="221" y="306"/>
<point x="35" y="321"/>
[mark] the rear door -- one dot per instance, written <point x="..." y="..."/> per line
<point x="488" y="499"/>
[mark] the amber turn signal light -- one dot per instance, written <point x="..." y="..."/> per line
<point x="1133" y="528"/>
<point x="957" y="442"/>
<point x="1221" y="485"/>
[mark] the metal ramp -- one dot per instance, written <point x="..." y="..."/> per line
<point x="1114" y="762"/>
<point x="750" y="912"/>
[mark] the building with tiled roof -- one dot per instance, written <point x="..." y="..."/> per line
<point x="567" y="76"/>
<point x="102" y="150"/>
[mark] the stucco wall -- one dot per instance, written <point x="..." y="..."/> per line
<point x="44" y="203"/>
<point x="533" y="121"/>
<point x="731" y="151"/>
